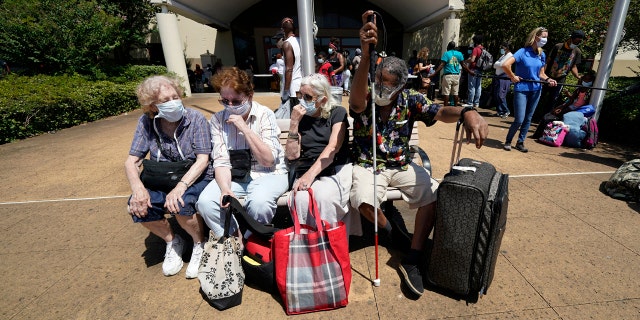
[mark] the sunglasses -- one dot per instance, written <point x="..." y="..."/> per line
<point x="232" y="103"/>
<point x="306" y="97"/>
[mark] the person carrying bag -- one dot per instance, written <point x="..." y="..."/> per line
<point x="312" y="266"/>
<point x="221" y="275"/>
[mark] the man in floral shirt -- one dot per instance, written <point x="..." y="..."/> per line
<point x="396" y="111"/>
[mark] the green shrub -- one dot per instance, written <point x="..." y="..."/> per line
<point x="619" y="119"/>
<point x="33" y="105"/>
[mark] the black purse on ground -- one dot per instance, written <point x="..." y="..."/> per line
<point x="240" y="164"/>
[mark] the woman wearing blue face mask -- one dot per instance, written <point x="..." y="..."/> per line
<point x="529" y="62"/>
<point x="318" y="147"/>
<point x="247" y="155"/>
<point x="170" y="133"/>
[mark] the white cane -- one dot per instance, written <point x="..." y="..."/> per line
<point x="372" y="71"/>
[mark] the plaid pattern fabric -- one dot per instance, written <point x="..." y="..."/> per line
<point x="313" y="270"/>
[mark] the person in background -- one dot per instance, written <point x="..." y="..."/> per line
<point x="451" y="61"/>
<point x="413" y="60"/>
<point x="346" y="75"/>
<point x="169" y="132"/>
<point x="474" y="72"/>
<point x="318" y="143"/>
<point x="529" y="64"/>
<point x="356" y="60"/>
<point x="292" y="62"/>
<point x="248" y="132"/>
<point x="562" y="59"/>
<point x="397" y="108"/>
<point x="5" y="68"/>
<point x="423" y="70"/>
<point x="325" y="68"/>
<point x="337" y="60"/>
<point x="500" y="84"/>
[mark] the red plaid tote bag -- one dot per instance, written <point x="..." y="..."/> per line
<point x="313" y="270"/>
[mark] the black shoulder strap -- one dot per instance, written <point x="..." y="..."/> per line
<point x="155" y="133"/>
<point x="246" y="221"/>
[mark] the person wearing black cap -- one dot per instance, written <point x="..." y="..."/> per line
<point x="563" y="58"/>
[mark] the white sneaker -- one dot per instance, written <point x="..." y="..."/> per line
<point x="194" y="263"/>
<point x="173" y="257"/>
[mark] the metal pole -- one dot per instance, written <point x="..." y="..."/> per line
<point x="614" y="34"/>
<point x="305" y="28"/>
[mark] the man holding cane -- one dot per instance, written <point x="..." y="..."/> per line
<point x="396" y="110"/>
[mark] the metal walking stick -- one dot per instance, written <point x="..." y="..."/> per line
<point x="372" y="74"/>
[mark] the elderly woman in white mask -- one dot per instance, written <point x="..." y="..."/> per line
<point x="318" y="146"/>
<point x="247" y="155"/>
<point x="171" y="135"/>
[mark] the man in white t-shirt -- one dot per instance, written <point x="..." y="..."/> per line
<point x="292" y="62"/>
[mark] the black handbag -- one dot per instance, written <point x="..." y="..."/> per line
<point x="163" y="176"/>
<point x="240" y="164"/>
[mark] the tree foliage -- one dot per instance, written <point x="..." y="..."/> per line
<point x="71" y="36"/>
<point x="512" y="20"/>
<point x="631" y="37"/>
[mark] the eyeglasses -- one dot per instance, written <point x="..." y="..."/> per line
<point x="232" y="103"/>
<point x="306" y="97"/>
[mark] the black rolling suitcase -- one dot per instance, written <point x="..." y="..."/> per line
<point x="471" y="216"/>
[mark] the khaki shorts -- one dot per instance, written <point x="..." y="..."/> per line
<point x="415" y="185"/>
<point x="450" y="84"/>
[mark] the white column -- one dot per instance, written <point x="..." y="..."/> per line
<point x="305" y="26"/>
<point x="614" y="34"/>
<point x="172" y="47"/>
<point x="450" y="32"/>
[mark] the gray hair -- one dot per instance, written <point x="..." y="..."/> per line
<point x="149" y="90"/>
<point x="396" y="67"/>
<point x="321" y="88"/>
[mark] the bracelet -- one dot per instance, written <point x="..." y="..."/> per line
<point x="186" y="184"/>
<point x="464" y="110"/>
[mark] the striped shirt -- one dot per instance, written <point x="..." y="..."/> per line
<point x="225" y="137"/>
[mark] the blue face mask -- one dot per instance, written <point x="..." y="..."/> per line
<point x="587" y="84"/>
<point x="310" y="107"/>
<point x="502" y="51"/>
<point x="171" y="111"/>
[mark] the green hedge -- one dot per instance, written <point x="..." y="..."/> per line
<point x="32" y="105"/>
<point x="619" y="119"/>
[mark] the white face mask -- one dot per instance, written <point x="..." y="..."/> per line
<point x="320" y="61"/>
<point x="310" y="107"/>
<point x="171" y="111"/>
<point x="587" y="84"/>
<point x="383" y="95"/>
<point x="239" y="110"/>
<point x="330" y="51"/>
<point x="572" y="46"/>
<point x="542" y="42"/>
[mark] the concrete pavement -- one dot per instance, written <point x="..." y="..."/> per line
<point x="71" y="251"/>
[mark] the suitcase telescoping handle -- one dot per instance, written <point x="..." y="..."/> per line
<point x="457" y="145"/>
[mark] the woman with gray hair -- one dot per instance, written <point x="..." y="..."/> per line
<point x="169" y="133"/>
<point x="319" y="148"/>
